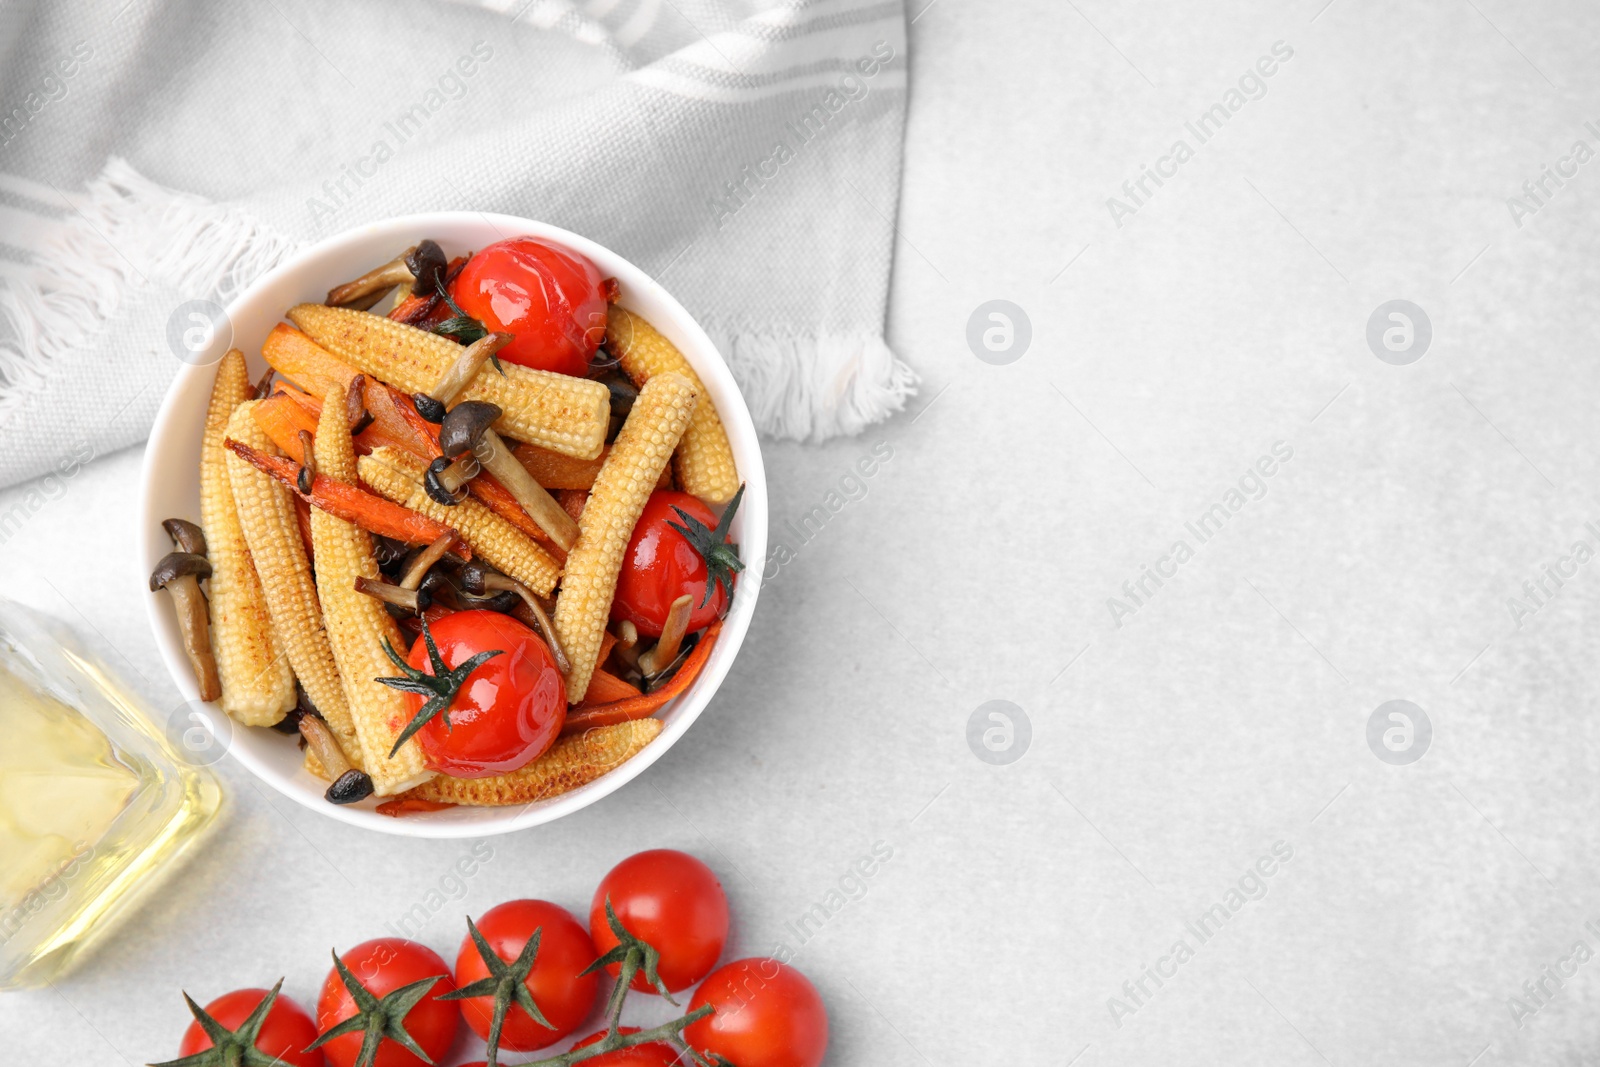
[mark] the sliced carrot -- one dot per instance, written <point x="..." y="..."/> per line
<point x="607" y="643"/>
<point x="303" y="361"/>
<point x="370" y="512"/>
<point x="410" y="806"/>
<point x="587" y="717"/>
<point x="282" y="418"/>
<point x="607" y="688"/>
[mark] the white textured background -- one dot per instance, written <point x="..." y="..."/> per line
<point x="1228" y="714"/>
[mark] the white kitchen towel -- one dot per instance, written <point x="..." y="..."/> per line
<point x="153" y="152"/>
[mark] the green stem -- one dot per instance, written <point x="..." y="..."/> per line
<point x="619" y="993"/>
<point x="669" y="1032"/>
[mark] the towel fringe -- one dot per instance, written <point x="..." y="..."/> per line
<point x="126" y="236"/>
<point x="802" y="386"/>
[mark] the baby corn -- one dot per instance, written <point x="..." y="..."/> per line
<point x="357" y="624"/>
<point x="559" y="412"/>
<point x="398" y="475"/>
<point x="642" y="450"/>
<point x="704" y="459"/>
<point x="257" y="684"/>
<point x="266" y="515"/>
<point x="571" y="762"/>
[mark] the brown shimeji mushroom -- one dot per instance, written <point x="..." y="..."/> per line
<point x="467" y="431"/>
<point x="454" y="381"/>
<point x="180" y="573"/>
<point x="480" y="581"/>
<point x="350" y="784"/>
<point x="421" y="267"/>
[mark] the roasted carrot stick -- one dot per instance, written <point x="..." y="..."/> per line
<point x="572" y="501"/>
<point x="606" y="688"/>
<point x="372" y="513"/>
<point x="410" y="806"/>
<point x="282" y="418"/>
<point x="303" y="361"/>
<point x="302" y="514"/>
<point x="586" y="717"/>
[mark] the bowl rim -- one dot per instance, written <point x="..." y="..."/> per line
<point x="707" y="361"/>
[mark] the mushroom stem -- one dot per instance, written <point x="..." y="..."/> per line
<point x="466" y="367"/>
<point x="368" y="289"/>
<point x="479" y="580"/>
<point x="542" y="508"/>
<point x="321" y="741"/>
<point x="179" y="573"/>
<point x="659" y="658"/>
<point x="425" y="560"/>
<point x="408" y="599"/>
<point x="355" y="405"/>
<point x="261" y="388"/>
<point x="446" y="481"/>
<point x="308" y="463"/>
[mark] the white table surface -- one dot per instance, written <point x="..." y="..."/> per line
<point x="1228" y="714"/>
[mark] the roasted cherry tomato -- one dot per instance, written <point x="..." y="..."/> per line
<point x="382" y="966"/>
<point x="549" y="299"/>
<point x="768" y="1015"/>
<point x="662" y="565"/>
<point x="284" y="1033"/>
<point x="671" y="901"/>
<point x="652" y="1054"/>
<point x="506" y="712"/>
<point x="564" y="951"/>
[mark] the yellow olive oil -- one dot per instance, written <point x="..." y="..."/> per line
<point x="95" y="803"/>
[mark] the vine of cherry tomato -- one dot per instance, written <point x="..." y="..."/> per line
<point x="668" y="908"/>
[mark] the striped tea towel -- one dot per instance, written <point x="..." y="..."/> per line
<point x="154" y="152"/>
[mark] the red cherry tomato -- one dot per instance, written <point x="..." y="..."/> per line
<point x="508" y="711"/>
<point x="548" y="298"/>
<point x="285" y="1032"/>
<point x="653" y="1054"/>
<point x="767" y="1015"/>
<point x="382" y="966"/>
<point x="660" y="565"/>
<point x="672" y="901"/>
<point x="564" y="951"/>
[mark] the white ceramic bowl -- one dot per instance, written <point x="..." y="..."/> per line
<point x="171" y="488"/>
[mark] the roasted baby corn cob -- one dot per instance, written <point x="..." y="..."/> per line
<point x="571" y="762"/>
<point x="266" y="515"/>
<point x="562" y="413"/>
<point x="357" y="624"/>
<point x="398" y="475"/>
<point x="257" y="684"/>
<point x="642" y="449"/>
<point x="704" y="459"/>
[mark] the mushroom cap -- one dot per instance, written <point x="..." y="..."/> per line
<point x="427" y="264"/>
<point x="474" y="577"/>
<point x="175" y="565"/>
<point x="434" y="487"/>
<point x="351" y="786"/>
<point x="464" y="424"/>
<point x="186" y="535"/>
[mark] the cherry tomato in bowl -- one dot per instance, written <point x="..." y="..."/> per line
<point x="549" y="299"/>
<point x="383" y="967"/>
<point x="283" y="1033"/>
<point x="671" y="901"/>
<point x="767" y="1015"/>
<point x="555" y="979"/>
<point x="504" y="713"/>
<point x="661" y="564"/>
